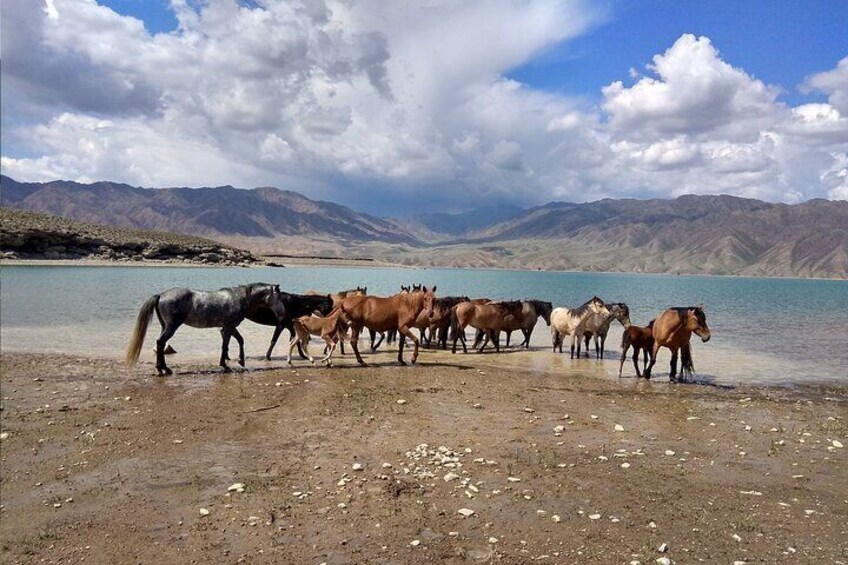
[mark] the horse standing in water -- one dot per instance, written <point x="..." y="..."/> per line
<point x="490" y="318"/>
<point x="532" y="310"/>
<point x="397" y="312"/>
<point x="572" y="322"/>
<point x="642" y="339"/>
<point x="673" y="329"/>
<point x="296" y="305"/>
<point x="225" y="309"/>
<point x="598" y="326"/>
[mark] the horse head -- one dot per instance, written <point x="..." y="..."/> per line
<point x="429" y="300"/>
<point x="544" y="309"/>
<point x="268" y="296"/>
<point x="696" y="322"/>
<point x="598" y="306"/>
<point x="621" y="312"/>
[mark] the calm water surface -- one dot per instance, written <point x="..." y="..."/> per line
<point x="764" y="330"/>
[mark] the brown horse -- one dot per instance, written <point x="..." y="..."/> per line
<point x="642" y="339"/>
<point x="492" y="318"/>
<point x="441" y="319"/>
<point x="396" y="312"/>
<point x="673" y="329"/>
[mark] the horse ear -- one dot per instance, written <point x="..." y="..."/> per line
<point x="699" y="307"/>
<point x="433" y="289"/>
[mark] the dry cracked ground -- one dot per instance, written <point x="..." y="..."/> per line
<point x="456" y="460"/>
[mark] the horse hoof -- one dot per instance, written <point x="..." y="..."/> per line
<point x="226" y="370"/>
<point x="241" y="362"/>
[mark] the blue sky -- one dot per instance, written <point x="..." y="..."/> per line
<point x="778" y="41"/>
<point x="393" y="107"/>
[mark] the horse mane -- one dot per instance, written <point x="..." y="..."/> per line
<point x="580" y="310"/>
<point x="540" y="305"/>
<point x="513" y="307"/>
<point x="450" y="301"/>
<point x="683" y="311"/>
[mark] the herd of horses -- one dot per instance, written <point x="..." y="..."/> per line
<point x="341" y="317"/>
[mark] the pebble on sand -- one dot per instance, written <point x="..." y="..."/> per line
<point x="401" y="401"/>
<point x="415" y="543"/>
<point x="556" y="518"/>
<point x="236" y="487"/>
<point x="836" y="443"/>
<point x="357" y="466"/>
<point x="466" y="512"/>
<point x="204" y="512"/>
<point x="663" y="548"/>
<point x="619" y="428"/>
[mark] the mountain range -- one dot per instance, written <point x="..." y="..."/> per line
<point x="690" y="234"/>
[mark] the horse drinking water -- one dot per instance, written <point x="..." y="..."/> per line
<point x="225" y="309"/>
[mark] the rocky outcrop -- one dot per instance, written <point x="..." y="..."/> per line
<point x="27" y="235"/>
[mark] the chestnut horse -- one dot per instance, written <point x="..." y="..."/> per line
<point x="673" y="329"/>
<point x="396" y="312"/>
<point x="642" y="339"/>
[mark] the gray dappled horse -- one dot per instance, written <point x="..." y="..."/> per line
<point x="598" y="326"/>
<point x="225" y="308"/>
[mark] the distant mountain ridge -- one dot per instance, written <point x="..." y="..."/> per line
<point x="209" y="212"/>
<point x="690" y="234"/>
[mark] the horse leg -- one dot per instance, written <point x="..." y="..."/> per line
<point x="240" y="341"/>
<point x="672" y="376"/>
<point x="597" y="347"/>
<point x="624" y="348"/>
<point x="573" y="340"/>
<point x="354" y="344"/>
<point x="167" y="333"/>
<point x="554" y="340"/>
<point x="277" y="331"/>
<point x="603" y="342"/>
<point x="459" y="334"/>
<point x="508" y="337"/>
<point x="331" y="344"/>
<point x="636" y="360"/>
<point x="225" y="344"/>
<point x="292" y="345"/>
<point x="496" y="338"/>
<point x="405" y="331"/>
<point x="654" y="351"/>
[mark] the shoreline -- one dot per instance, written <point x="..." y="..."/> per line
<point x="308" y="464"/>
<point x="358" y="263"/>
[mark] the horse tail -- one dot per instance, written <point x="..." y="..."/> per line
<point x="625" y="341"/>
<point x="687" y="367"/>
<point x="144" y="315"/>
<point x="454" y="324"/>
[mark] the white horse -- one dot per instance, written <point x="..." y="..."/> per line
<point x="572" y="322"/>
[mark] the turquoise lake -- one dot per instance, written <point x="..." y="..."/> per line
<point x="765" y="331"/>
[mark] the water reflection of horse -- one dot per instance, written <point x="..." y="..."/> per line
<point x="225" y="308"/>
<point x="673" y="329"/>
<point x="396" y="312"/>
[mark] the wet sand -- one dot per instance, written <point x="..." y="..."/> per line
<point x="102" y="464"/>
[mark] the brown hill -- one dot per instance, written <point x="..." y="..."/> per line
<point x="690" y="234"/>
<point x="29" y="235"/>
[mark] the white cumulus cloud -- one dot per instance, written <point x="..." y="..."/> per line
<point x="396" y="106"/>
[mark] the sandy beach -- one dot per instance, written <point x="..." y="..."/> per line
<point x="103" y="464"/>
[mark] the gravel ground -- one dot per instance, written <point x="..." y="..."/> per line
<point x="456" y="460"/>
